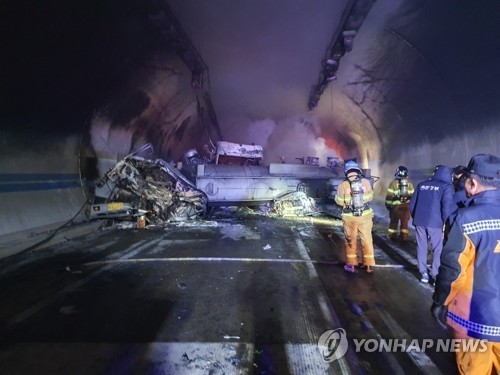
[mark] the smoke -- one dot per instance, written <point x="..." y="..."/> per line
<point x="263" y="57"/>
<point x="109" y="144"/>
<point x="294" y="139"/>
<point x="289" y="140"/>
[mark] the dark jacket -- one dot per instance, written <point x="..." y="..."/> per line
<point x="459" y="197"/>
<point x="470" y="266"/>
<point x="432" y="202"/>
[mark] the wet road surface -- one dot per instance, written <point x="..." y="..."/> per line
<point x="232" y="295"/>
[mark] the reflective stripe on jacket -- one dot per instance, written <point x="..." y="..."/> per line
<point x="393" y="197"/>
<point x="343" y="196"/>
<point x="468" y="281"/>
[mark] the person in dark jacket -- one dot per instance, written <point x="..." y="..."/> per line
<point x="430" y="206"/>
<point x="459" y="196"/>
<point x="467" y="292"/>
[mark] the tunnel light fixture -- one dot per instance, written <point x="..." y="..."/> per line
<point x="348" y="39"/>
<point x="342" y="42"/>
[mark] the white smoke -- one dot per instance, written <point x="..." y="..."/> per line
<point x="109" y="144"/>
<point x="289" y="140"/>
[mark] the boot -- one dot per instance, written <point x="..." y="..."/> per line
<point x="349" y="268"/>
<point x="369" y="269"/>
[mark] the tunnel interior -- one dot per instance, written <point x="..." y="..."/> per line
<point x="86" y="83"/>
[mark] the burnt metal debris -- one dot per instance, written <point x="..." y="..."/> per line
<point x="294" y="204"/>
<point x="152" y="191"/>
<point x="150" y="188"/>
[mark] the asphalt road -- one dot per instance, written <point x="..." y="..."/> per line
<point x="241" y="293"/>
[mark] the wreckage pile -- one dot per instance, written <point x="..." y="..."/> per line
<point x="294" y="204"/>
<point x="155" y="189"/>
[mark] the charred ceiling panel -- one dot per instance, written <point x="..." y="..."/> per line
<point x="342" y="42"/>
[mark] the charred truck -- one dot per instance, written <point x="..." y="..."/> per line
<point x="232" y="175"/>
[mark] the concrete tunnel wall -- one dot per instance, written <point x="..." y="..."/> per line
<point x="41" y="184"/>
<point x="420" y="86"/>
<point x="77" y="99"/>
<point x="419" y="89"/>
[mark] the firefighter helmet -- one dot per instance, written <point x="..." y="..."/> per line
<point x="402" y="171"/>
<point x="351" y="166"/>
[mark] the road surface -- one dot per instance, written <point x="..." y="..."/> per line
<point x="241" y="293"/>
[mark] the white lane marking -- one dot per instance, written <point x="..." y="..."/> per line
<point x="133" y="250"/>
<point x="227" y="259"/>
<point x="391" y="359"/>
<point x="208" y="259"/>
<point x="420" y="359"/>
<point x="304" y="359"/>
<point x="334" y="322"/>
<point x="305" y="256"/>
<point x="329" y="313"/>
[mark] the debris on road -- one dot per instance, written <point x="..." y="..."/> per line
<point x="294" y="204"/>
<point x="150" y="188"/>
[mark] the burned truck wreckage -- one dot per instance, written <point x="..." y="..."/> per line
<point x="154" y="191"/>
<point x="149" y="189"/>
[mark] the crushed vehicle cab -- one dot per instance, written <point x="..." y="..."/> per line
<point x="150" y="188"/>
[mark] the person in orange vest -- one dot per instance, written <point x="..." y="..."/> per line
<point x="467" y="292"/>
<point x="397" y="201"/>
<point x="353" y="195"/>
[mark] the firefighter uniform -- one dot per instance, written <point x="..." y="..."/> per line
<point x="467" y="285"/>
<point x="356" y="221"/>
<point x="397" y="201"/>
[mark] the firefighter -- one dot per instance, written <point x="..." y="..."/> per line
<point x="397" y="201"/>
<point x="353" y="195"/>
<point x="467" y="292"/>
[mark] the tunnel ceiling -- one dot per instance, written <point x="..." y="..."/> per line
<point x="342" y="43"/>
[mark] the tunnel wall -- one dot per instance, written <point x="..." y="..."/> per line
<point x="47" y="175"/>
<point x="104" y="84"/>
<point x="405" y="95"/>
<point x="418" y="88"/>
<point x="40" y="185"/>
